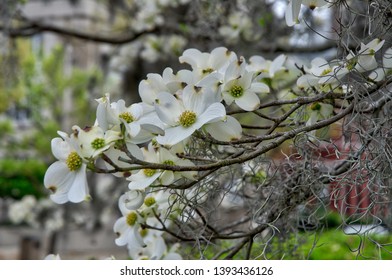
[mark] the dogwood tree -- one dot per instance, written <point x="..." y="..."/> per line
<point x="232" y="152"/>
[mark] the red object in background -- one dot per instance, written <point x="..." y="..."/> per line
<point x="351" y="193"/>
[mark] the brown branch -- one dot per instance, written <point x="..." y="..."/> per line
<point x="35" y="27"/>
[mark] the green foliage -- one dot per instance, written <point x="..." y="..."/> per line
<point x="39" y="85"/>
<point x="331" y="244"/>
<point x="21" y="177"/>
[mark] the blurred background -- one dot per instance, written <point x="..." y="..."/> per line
<point x="58" y="56"/>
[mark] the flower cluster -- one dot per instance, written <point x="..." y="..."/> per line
<point x="146" y="141"/>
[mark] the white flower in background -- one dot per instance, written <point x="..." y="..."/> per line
<point x="238" y="87"/>
<point x="174" y="45"/>
<point x="168" y="82"/>
<point x="365" y="59"/>
<point x="66" y="178"/>
<point x="148" y="177"/>
<point x="321" y="73"/>
<point x="204" y="63"/>
<point x="148" y="16"/>
<point x="266" y="68"/>
<point x="152" y="48"/>
<point x="380" y="73"/>
<point x="184" y="117"/>
<point x="319" y="111"/>
<point x="294" y="7"/>
<point x="239" y="24"/>
<point x="20" y="211"/>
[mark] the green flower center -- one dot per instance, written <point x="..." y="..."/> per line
<point x="126" y="116"/>
<point x="98" y="143"/>
<point x="131" y="218"/>
<point x="236" y="91"/>
<point x="315" y="106"/>
<point x="187" y="118"/>
<point x="149" y="201"/>
<point x="149" y="172"/>
<point x="351" y="64"/>
<point x="326" y="71"/>
<point x="169" y="162"/>
<point x="143" y="232"/>
<point x="74" y="161"/>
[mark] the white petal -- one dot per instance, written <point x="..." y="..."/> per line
<point x="387" y="59"/>
<point x="159" y="248"/>
<point x="277" y="64"/>
<point x="174" y="135"/>
<point x="168" y="108"/>
<point x="292" y="12"/>
<point x="139" y="181"/>
<point x="121" y="228"/>
<point x="377" y="75"/>
<point x="366" y="63"/>
<point x="60" y="148"/>
<point x="190" y="56"/>
<point x="131" y="200"/>
<point x="220" y="57"/>
<point x="307" y="80"/>
<point x="235" y="69"/>
<point x="58" y="178"/>
<point x="167" y="177"/>
<point x="225" y="130"/>
<point x="259" y="88"/>
<point x="214" y="112"/>
<point x="248" y="102"/>
<point x="79" y="189"/>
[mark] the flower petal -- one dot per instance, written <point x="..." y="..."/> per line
<point x="58" y="179"/>
<point x="227" y="130"/>
<point x="168" y="108"/>
<point x="214" y="112"/>
<point x="79" y="189"/>
<point x="248" y="102"/>
<point x="174" y="135"/>
<point x="60" y="148"/>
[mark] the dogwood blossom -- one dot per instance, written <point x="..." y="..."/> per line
<point x="238" y="86"/>
<point x="66" y="178"/>
<point x="185" y="116"/>
<point x="365" y="59"/>
<point x="147" y="177"/>
<point x="127" y="227"/>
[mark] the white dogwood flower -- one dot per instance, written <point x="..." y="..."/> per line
<point x="147" y="177"/>
<point x="92" y="141"/>
<point x="127" y="227"/>
<point x="66" y="178"/>
<point x="321" y="73"/>
<point x="365" y="59"/>
<point x="238" y="86"/>
<point x="184" y="117"/>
